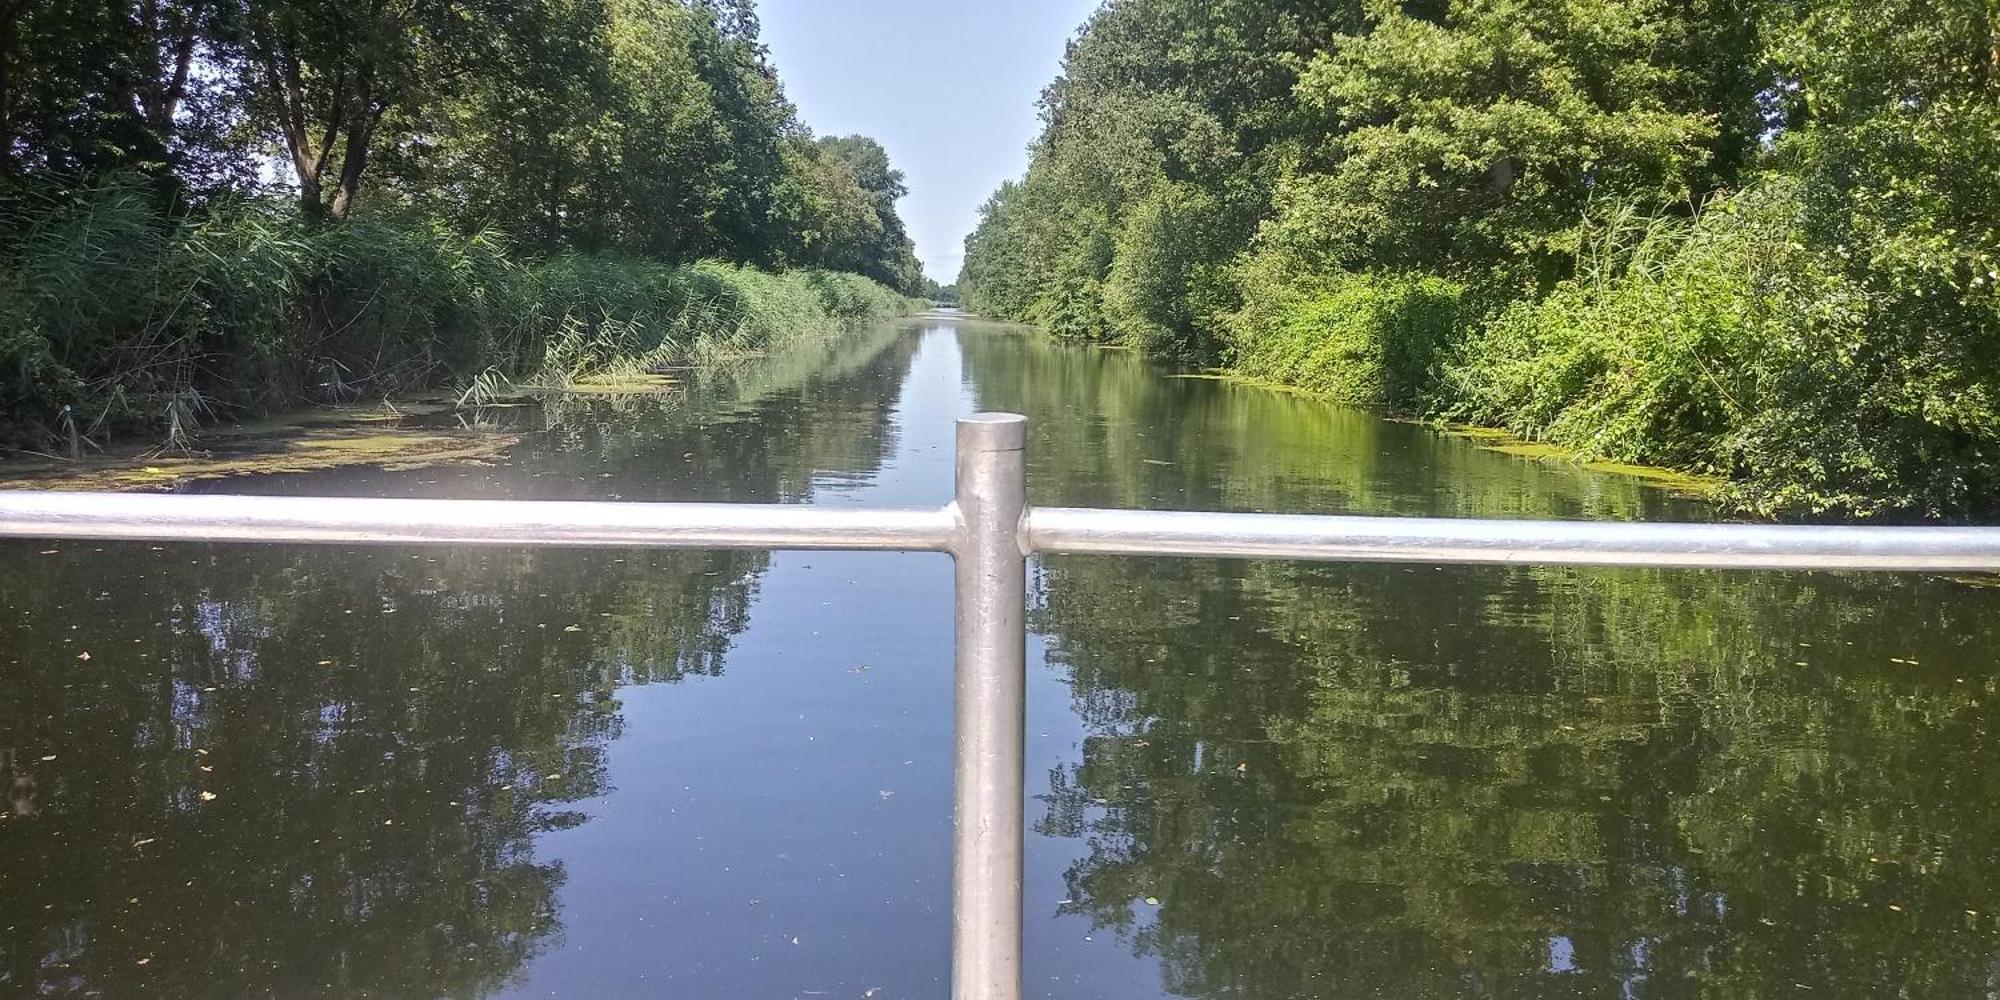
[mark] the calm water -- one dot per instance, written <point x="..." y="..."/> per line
<point x="412" y="772"/>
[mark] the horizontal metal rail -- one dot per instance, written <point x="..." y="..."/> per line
<point x="990" y="530"/>
<point x="560" y="523"/>
<point x="1468" y="540"/>
<point x="1326" y="538"/>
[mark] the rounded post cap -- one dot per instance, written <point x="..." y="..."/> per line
<point x="993" y="432"/>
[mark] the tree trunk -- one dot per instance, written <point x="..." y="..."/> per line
<point x="169" y="103"/>
<point x="308" y="162"/>
<point x="10" y="13"/>
<point x="355" y="159"/>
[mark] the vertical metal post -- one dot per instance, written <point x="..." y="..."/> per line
<point x="989" y="751"/>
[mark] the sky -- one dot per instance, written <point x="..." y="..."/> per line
<point x="947" y="86"/>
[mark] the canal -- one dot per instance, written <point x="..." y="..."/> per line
<point x="299" y="772"/>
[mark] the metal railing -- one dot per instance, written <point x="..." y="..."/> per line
<point x="990" y="531"/>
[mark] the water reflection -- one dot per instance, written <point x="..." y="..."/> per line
<point x="1304" y="781"/>
<point x="1490" y="780"/>
<point x="297" y="772"/>
<point x="362" y="772"/>
<point x="261" y="771"/>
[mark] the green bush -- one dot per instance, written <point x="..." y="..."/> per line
<point x="1369" y="339"/>
<point x="1168" y="281"/>
<point x="1650" y="353"/>
<point x="137" y="321"/>
<point x="1849" y="381"/>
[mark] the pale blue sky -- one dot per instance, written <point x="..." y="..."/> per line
<point x="948" y="87"/>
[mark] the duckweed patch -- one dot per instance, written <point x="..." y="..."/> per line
<point x="640" y="383"/>
<point x="272" y="447"/>
<point x="1493" y="439"/>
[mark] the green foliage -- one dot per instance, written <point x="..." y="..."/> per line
<point x="1167" y="282"/>
<point x="1650" y="353"/>
<point x="1474" y="140"/>
<point x="147" y="277"/>
<point x="1371" y="339"/>
<point x="1897" y="369"/>
<point x="1830" y="337"/>
<point x="118" y="312"/>
<point x="1735" y="345"/>
<point x="1797" y="288"/>
<point x="1169" y="113"/>
<point x="653" y="127"/>
<point x="858" y="190"/>
<point x="995" y="278"/>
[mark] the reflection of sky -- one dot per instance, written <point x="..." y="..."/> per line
<point x="785" y="828"/>
<point x="1562" y="954"/>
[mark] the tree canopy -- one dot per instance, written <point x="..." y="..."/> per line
<point x="1539" y="214"/>
<point x="656" y="127"/>
<point x="217" y="208"/>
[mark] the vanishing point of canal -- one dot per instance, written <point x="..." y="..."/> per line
<point x="298" y="772"/>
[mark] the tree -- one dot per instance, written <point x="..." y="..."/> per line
<point x="830" y="219"/>
<point x="891" y="257"/>
<point x="1153" y="93"/>
<point x="100" y="85"/>
<point x="1475" y="138"/>
<point x="322" y="75"/>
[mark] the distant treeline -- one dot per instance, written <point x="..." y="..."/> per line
<point x="215" y="206"/>
<point x="1752" y="238"/>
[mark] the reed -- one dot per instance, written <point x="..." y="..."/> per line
<point x="120" y="320"/>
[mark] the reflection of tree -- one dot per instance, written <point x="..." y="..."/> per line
<point x="320" y="772"/>
<point x="1108" y="430"/>
<point x="1362" y="780"/>
<point x="757" y="432"/>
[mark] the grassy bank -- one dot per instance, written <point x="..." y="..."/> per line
<point x="118" y="321"/>
<point x="1720" y="345"/>
<point x="1758" y="242"/>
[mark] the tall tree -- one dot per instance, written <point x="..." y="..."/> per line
<point x="890" y="257"/>
<point x="99" y="84"/>
<point x="323" y="75"/>
<point x="1476" y="137"/>
<point x="1153" y="93"/>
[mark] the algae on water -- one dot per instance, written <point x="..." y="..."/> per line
<point x="309" y="441"/>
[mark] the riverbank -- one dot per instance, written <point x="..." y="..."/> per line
<point x="446" y="429"/>
<point x="122" y="327"/>
<point x="1494" y="439"/>
<point x="394" y="437"/>
<point x="1622" y="246"/>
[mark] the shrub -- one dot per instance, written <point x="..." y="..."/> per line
<point x="135" y="320"/>
<point x="1850" y="381"/>
<point x="1650" y="353"/>
<point x="1168" y="283"/>
<point x="1368" y="339"/>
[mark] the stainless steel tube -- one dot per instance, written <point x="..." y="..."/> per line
<point x="177" y="517"/>
<point x="1457" y="540"/>
<point x="991" y="696"/>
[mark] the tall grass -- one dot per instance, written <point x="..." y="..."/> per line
<point x="1370" y="339"/>
<point x="1820" y="380"/>
<point x="1652" y="352"/>
<point x="122" y="320"/>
